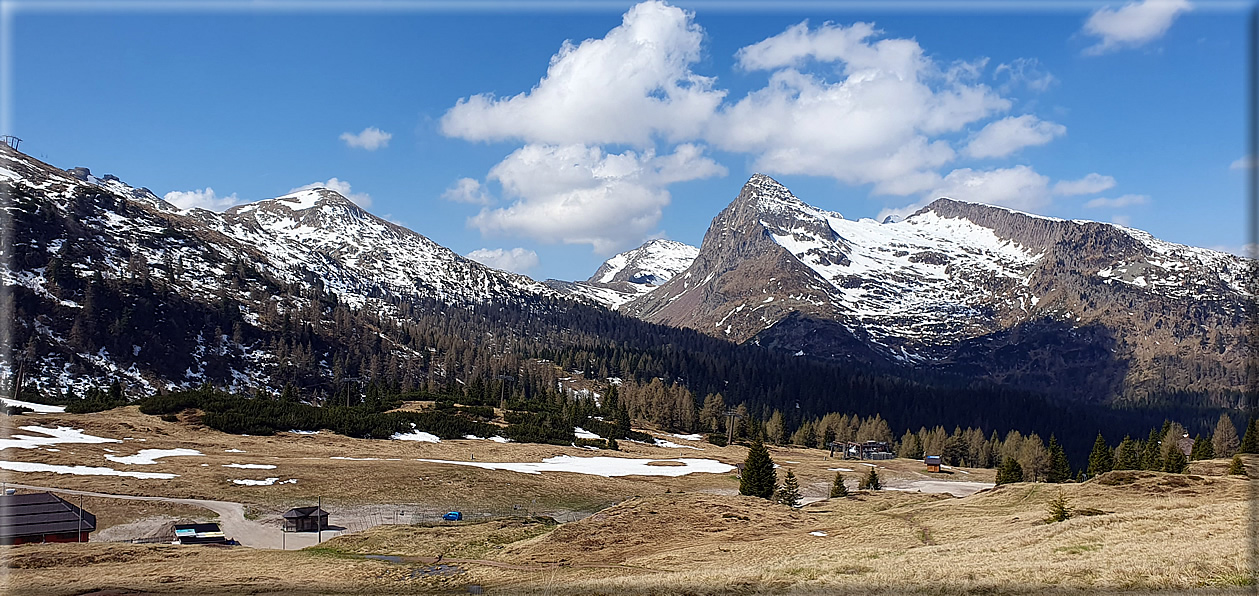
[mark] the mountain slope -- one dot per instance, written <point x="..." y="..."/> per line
<point x="114" y="282"/>
<point x="632" y="273"/>
<point x="983" y="291"/>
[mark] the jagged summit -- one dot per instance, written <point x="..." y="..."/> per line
<point x="632" y="273"/>
<point x="947" y="284"/>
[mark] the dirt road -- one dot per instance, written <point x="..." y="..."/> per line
<point x="231" y="519"/>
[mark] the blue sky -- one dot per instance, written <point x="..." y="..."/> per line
<point x="544" y="141"/>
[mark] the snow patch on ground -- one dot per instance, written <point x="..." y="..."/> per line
<point x="267" y="482"/>
<point x="601" y="466"/>
<point x="34" y="407"/>
<point x="147" y="457"/>
<point x="817" y="534"/>
<point x="694" y="437"/>
<point x="672" y="445"/>
<point x="250" y="466"/>
<point x="416" y="435"/>
<point x="55" y="436"/>
<point x="838" y="469"/>
<point x="495" y="438"/>
<point x="584" y="434"/>
<point x="233" y="451"/>
<point x="22" y="466"/>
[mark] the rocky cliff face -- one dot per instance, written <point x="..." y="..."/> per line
<point x="1076" y="308"/>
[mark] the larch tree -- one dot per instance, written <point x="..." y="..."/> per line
<point x="1224" y="441"/>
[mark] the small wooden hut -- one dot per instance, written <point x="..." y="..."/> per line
<point x="305" y="519"/>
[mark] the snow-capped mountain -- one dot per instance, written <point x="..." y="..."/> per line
<point x="88" y="244"/>
<point x="965" y="287"/>
<point x="632" y="273"/>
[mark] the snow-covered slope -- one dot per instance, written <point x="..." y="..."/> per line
<point x="937" y="286"/>
<point x="357" y="254"/>
<point x="632" y="273"/>
<point x="100" y="245"/>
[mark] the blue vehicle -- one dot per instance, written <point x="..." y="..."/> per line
<point x="453" y="516"/>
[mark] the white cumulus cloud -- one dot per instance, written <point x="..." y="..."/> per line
<point x="1019" y="187"/>
<point x="1090" y="184"/>
<point x="1122" y="201"/>
<point x="1132" y="25"/>
<point x="342" y="188"/>
<point x="1244" y="162"/>
<point x="201" y="199"/>
<point x="371" y="138"/>
<point x="1005" y="136"/>
<point x="577" y="194"/>
<point x="876" y="124"/>
<point x="518" y="260"/>
<point x="633" y="84"/>
<point x="467" y="190"/>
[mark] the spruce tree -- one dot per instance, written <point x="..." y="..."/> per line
<point x="1101" y="460"/>
<point x="759" y="478"/>
<point x="1009" y="472"/>
<point x="1058" y="509"/>
<point x="789" y="493"/>
<point x="1128" y="455"/>
<point x="1152" y="452"/>
<point x="1224" y="440"/>
<point x="838" y="489"/>
<point x="871" y="481"/>
<point x="1237" y="467"/>
<point x="1250" y="442"/>
<point x="1059" y="468"/>
<point x="1202" y="449"/>
<point x="1176" y="461"/>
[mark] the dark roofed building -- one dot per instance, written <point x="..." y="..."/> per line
<point x="199" y="534"/>
<point x="933" y="463"/>
<point x="42" y="517"/>
<point x="305" y="519"/>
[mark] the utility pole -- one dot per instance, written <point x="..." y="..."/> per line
<point x="733" y="415"/>
<point x="79" y="537"/>
<point x="319" y="517"/>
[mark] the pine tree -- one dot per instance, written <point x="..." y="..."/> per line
<point x="838" y="489"/>
<point x="1101" y="460"/>
<point x="1250" y="442"/>
<point x="871" y="481"/>
<point x="1010" y="471"/>
<point x="1059" y="468"/>
<point x="1224" y="441"/>
<point x="1237" y="467"/>
<point x="789" y="493"/>
<point x="1176" y="461"/>
<point x="1128" y="455"/>
<point x="758" y="478"/>
<point x="1202" y="449"/>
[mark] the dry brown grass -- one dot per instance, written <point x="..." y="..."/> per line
<point x="442" y="486"/>
<point x="1144" y="532"/>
